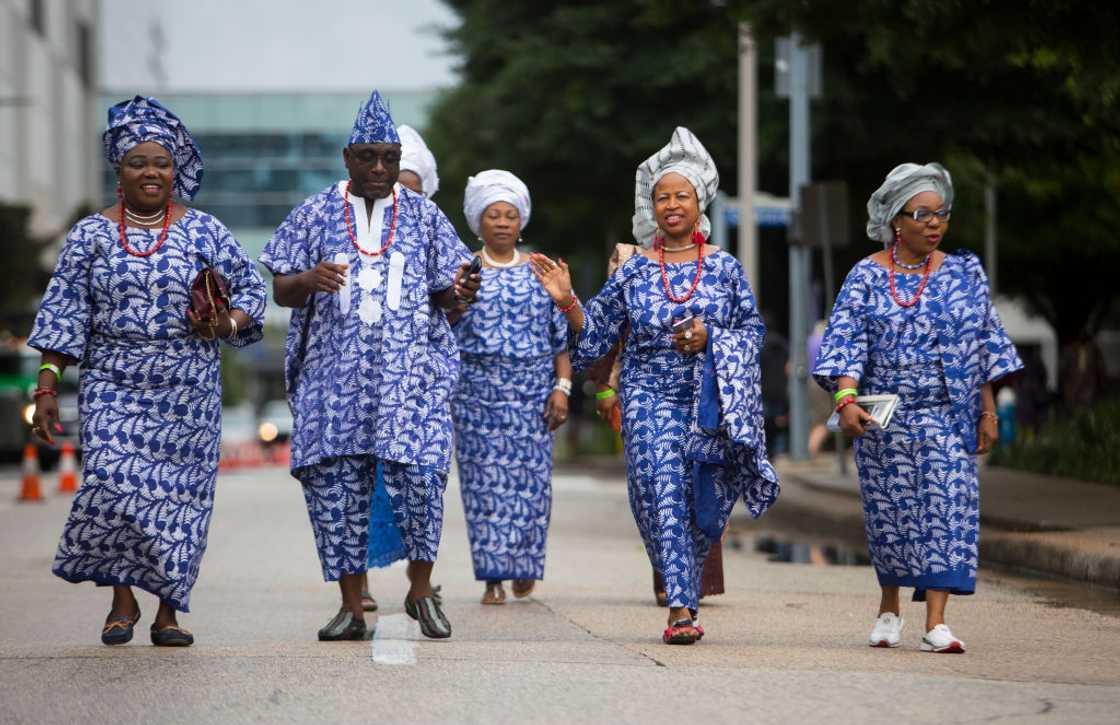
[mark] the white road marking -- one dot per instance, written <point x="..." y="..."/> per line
<point x="394" y="640"/>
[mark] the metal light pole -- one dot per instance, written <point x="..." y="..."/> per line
<point x="748" y="126"/>
<point x="990" y="232"/>
<point x="799" y="255"/>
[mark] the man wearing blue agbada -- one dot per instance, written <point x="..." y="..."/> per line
<point x="369" y="268"/>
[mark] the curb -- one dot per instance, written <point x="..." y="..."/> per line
<point x="1090" y="556"/>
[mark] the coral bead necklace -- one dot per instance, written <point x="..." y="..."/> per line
<point x="698" y="239"/>
<point x="921" y="286"/>
<point x="159" y="242"/>
<point x="350" y="224"/>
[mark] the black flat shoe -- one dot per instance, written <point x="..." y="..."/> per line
<point x="345" y="627"/>
<point x="369" y="604"/>
<point x="171" y="636"/>
<point x="118" y="630"/>
<point x="426" y="611"/>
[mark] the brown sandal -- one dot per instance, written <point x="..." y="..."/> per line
<point x="494" y="594"/>
<point x="523" y="587"/>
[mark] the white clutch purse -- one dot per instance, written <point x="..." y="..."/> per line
<point x="879" y="407"/>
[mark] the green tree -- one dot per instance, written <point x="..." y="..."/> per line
<point x="572" y="96"/>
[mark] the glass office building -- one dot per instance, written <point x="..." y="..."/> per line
<point x="264" y="154"/>
<point x="267" y="152"/>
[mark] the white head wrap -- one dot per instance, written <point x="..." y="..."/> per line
<point x="684" y="155"/>
<point x="902" y="184"/>
<point x="491" y="186"/>
<point x="416" y="157"/>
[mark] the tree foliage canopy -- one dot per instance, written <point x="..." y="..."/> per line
<point x="571" y="96"/>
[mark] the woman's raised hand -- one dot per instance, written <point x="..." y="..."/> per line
<point x="554" y="277"/>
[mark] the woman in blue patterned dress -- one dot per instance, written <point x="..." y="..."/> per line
<point x="514" y="382"/>
<point x="149" y="391"/>
<point x="916" y="322"/>
<point x="691" y="401"/>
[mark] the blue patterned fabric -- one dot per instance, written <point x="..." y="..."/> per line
<point x="146" y="119"/>
<point x="400" y="410"/>
<point x="660" y="395"/>
<point x="374" y="124"/>
<point x="149" y="397"/>
<point x="508" y="342"/>
<point x="338" y="493"/>
<point x="918" y="478"/>
<point x="385" y="545"/>
<point x="375" y="388"/>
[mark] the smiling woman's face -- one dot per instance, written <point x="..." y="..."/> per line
<point x="675" y="206"/>
<point x="145" y="175"/>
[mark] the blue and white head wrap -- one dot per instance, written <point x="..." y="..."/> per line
<point x="145" y="119"/>
<point x="491" y="186"/>
<point x="684" y="155"/>
<point x="374" y="124"/>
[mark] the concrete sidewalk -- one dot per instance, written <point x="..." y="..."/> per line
<point x="1029" y="522"/>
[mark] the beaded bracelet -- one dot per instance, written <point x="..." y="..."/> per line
<point x="571" y="305"/>
<point x="604" y="394"/>
<point x="54" y="369"/>
<point x="40" y="392"/>
<point x="845" y="402"/>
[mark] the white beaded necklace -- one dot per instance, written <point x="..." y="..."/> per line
<point x="501" y="265"/>
<point x="684" y="248"/>
<point x="144" y="219"/>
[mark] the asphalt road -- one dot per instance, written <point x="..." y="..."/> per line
<point x="785" y="644"/>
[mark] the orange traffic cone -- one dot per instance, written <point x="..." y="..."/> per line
<point x="282" y="453"/>
<point x="67" y="469"/>
<point x="29" y="489"/>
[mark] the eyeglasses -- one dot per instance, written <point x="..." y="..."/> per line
<point x="923" y="215"/>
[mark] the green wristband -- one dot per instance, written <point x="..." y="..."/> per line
<point x="604" y="394"/>
<point x="844" y="393"/>
<point x="54" y="369"/>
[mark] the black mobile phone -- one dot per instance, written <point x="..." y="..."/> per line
<point x="476" y="266"/>
<point x="683" y="324"/>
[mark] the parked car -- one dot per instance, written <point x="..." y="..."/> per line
<point x="274" y="422"/>
<point x="19" y="372"/>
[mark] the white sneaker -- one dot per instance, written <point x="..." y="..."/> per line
<point x="887" y="631"/>
<point x="940" y="639"/>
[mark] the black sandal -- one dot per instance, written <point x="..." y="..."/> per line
<point x="426" y="611"/>
<point x="119" y="630"/>
<point x="369" y="604"/>
<point x="171" y="636"/>
<point x="345" y="627"/>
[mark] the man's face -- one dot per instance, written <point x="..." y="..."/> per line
<point x="373" y="167"/>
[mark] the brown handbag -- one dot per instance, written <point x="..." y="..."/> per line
<point x="209" y="296"/>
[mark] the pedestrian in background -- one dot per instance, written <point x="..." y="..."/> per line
<point x="369" y="367"/>
<point x="515" y="379"/>
<point x="774" y="361"/>
<point x="119" y="306"/>
<point x="691" y="402"/>
<point x="917" y="323"/>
